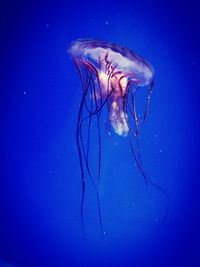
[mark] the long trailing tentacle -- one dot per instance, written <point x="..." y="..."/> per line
<point x="80" y="152"/>
<point x="131" y="107"/>
<point x="147" y="102"/>
<point x="94" y="94"/>
<point x="88" y="85"/>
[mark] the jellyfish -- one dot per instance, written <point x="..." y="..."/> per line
<point x="110" y="77"/>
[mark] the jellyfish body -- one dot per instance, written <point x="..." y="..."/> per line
<point x="116" y="68"/>
<point x="110" y="76"/>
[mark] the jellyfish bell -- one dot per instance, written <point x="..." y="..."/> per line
<point x="116" y="68"/>
<point x="110" y="77"/>
<point x="123" y="59"/>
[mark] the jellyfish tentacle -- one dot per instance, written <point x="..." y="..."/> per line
<point x="88" y="132"/>
<point x="86" y="151"/>
<point x="89" y="128"/>
<point x="83" y="103"/>
<point x="132" y="110"/>
<point x="98" y="127"/>
<point x="137" y="155"/>
<point x="165" y="194"/>
<point x="86" y="83"/>
<point x="127" y="108"/>
<point x="80" y="145"/>
<point x="99" y="157"/>
<point x="150" y="89"/>
<point x="135" y="133"/>
<point x="137" y="161"/>
<point x="86" y="89"/>
<point x="81" y="161"/>
<point x="84" y="155"/>
<point x="137" y="124"/>
<point x="149" y="181"/>
<point x="101" y="107"/>
<point x="95" y="188"/>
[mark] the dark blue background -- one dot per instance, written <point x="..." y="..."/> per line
<point x="39" y="176"/>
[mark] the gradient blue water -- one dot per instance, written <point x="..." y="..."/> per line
<point x="40" y="178"/>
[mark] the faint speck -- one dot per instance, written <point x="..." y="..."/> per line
<point x="160" y="150"/>
<point x="46" y="26"/>
<point x="107" y="22"/>
<point x="155" y="135"/>
<point x="151" y="202"/>
<point x="109" y="133"/>
<point x="24" y="92"/>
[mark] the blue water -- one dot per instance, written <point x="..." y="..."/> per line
<point x="40" y="182"/>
